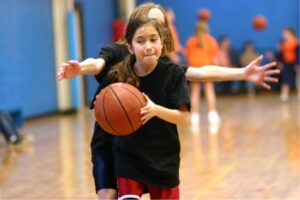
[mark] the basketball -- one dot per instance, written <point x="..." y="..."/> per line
<point x="259" y="22"/>
<point x="204" y="14"/>
<point x="117" y="109"/>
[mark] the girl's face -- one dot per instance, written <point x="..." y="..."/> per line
<point x="225" y="44"/>
<point x="249" y="47"/>
<point x="146" y="45"/>
<point x="287" y="34"/>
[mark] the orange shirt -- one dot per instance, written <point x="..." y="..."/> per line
<point x="289" y="50"/>
<point x="199" y="56"/>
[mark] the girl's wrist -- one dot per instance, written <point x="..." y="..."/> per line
<point x="82" y="69"/>
<point x="156" y="109"/>
<point x="244" y="71"/>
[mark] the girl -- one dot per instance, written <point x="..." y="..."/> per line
<point x="103" y="172"/>
<point x="202" y="49"/>
<point x="149" y="158"/>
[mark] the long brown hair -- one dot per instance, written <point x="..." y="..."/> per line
<point x="291" y="31"/>
<point x="201" y="29"/>
<point x="142" y="11"/>
<point x="123" y="71"/>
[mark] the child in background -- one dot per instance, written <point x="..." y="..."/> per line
<point x="178" y="49"/>
<point x="246" y="56"/>
<point x="290" y="59"/>
<point x="202" y="49"/>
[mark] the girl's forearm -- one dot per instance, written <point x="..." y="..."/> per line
<point x="214" y="73"/>
<point x="92" y="66"/>
<point x="172" y="115"/>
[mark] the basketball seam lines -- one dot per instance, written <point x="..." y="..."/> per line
<point x="133" y="95"/>
<point x="138" y="99"/>
<point x="124" y="110"/>
<point x="106" y="115"/>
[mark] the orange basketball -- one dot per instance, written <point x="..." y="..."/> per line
<point x="117" y="108"/>
<point x="204" y="14"/>
<point x="259" y="22"/>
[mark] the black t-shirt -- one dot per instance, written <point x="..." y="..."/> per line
<point x="151" y="154"/>
<point x="113" y="54"/>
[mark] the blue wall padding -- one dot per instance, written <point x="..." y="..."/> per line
<point x="73" y="55"/>
<point x="27" y="69"/>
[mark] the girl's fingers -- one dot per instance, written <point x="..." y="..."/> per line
<point x="65" y="65"/>
<point x="269" y="65"/>
<point x="271" y="79"/>
<point x="144" y="119"/>
<point x="272" y="72"/>
<point x="60" y="74"/>
<point x="145" y="108"/>
<point x="72" y="63"/>
<point x="257" y="61"/>
<point x="146" y="97"/>
<point x="144" y="111"/>
<point x="266" y="86"/>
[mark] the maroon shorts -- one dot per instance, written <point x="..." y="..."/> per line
<point x="128" y="188"/>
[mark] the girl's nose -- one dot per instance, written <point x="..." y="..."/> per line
<point x="148" y="46"/>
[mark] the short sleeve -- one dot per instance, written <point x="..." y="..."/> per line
<point x="112" y="54"/>
<point x="184" y="68"/>
<point x="180" y="93"/>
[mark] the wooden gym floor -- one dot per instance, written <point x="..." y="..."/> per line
<point x="253" y="154"/>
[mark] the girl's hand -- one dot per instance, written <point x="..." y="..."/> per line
<point x="68" y="70"/>
<point x="261" y="74"/>
<point x="148" y="111"/>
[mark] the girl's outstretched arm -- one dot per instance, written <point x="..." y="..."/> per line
<point x="73" y="68"/>
<point x="253" y="72"/>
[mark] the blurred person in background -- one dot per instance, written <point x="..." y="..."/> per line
<point x="246" y="56"/>
<point x="10" y="131"/>
<point x="229" y="58"/>
<point x="202" y="49"/>
<point x="274" y="56"/>
<point x="297" y="68"/>
<point x="178" y="49"/>
<point x="290" y="60"/>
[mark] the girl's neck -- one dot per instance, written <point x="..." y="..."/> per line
<point x="142" y="69"/>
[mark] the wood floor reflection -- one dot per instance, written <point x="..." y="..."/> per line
<point x="253" y="154"/>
